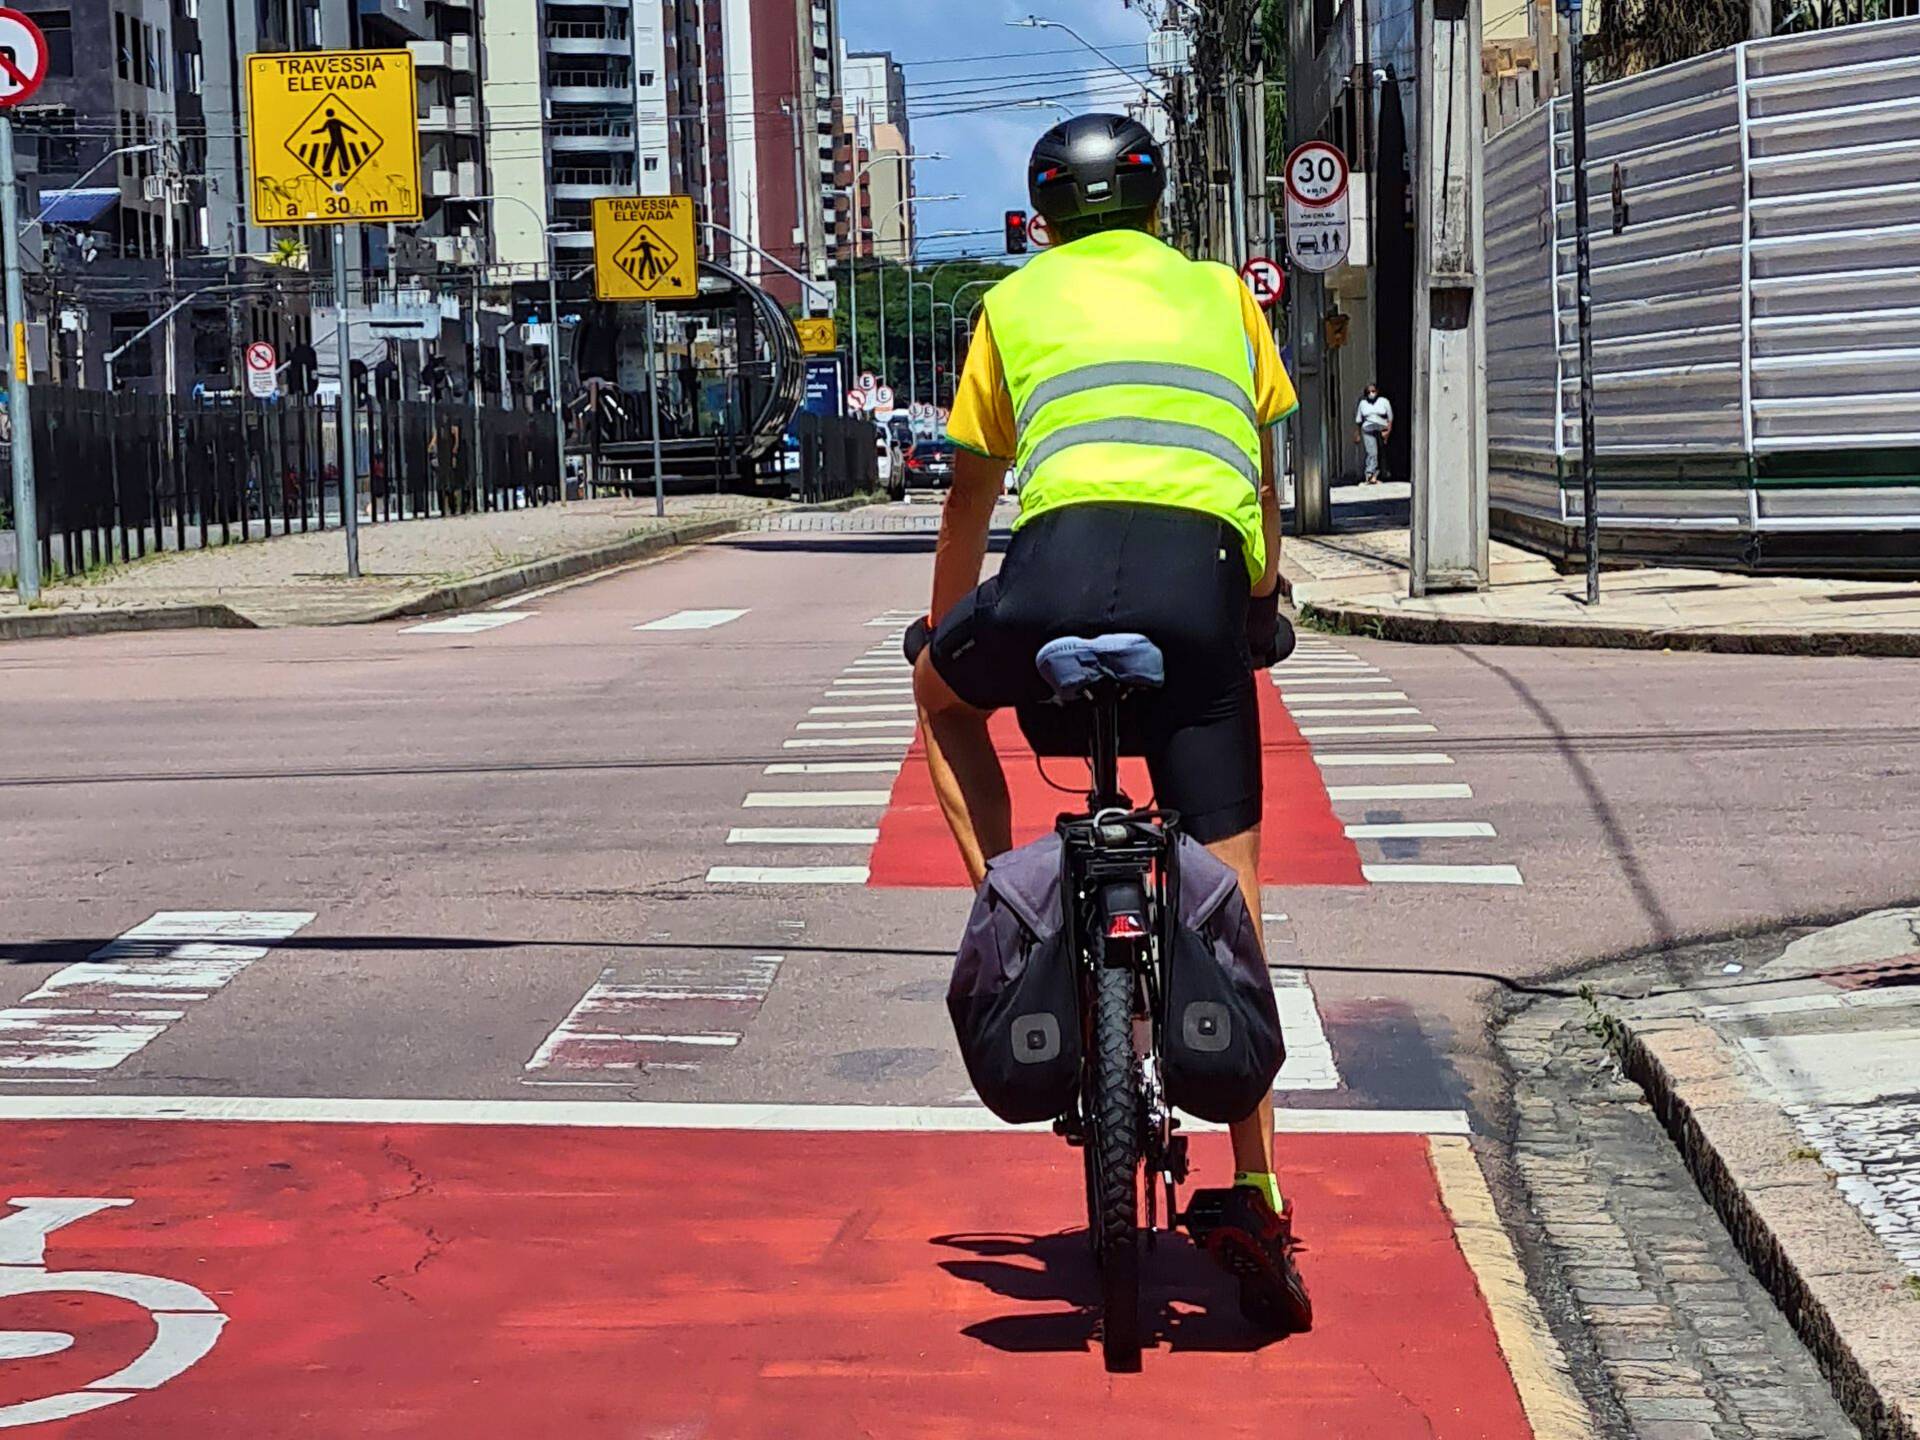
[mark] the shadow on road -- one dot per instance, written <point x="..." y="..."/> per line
<point x="1188" y="1303"/>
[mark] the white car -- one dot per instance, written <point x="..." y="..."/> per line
<point x="888" y="462"/>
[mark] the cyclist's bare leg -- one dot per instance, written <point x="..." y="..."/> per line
<point x="1253" y="1136"/>
<point x="967" y="778"/>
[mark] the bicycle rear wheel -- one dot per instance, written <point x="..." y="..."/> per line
<point x="1114" y="1166"/>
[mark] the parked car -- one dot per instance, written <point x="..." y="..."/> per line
<point x="931" y="464"/>
<point x="890" y="463"/>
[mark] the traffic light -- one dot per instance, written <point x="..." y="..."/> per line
<point x="1016" y="232"/>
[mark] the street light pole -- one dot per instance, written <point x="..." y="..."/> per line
<point x="26" y="540"/>
<point x="879" y="261"/>
<point x="853" y="265"/>
<point x="1583" y="288"/>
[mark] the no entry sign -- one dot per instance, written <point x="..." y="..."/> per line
<point x="23" y="57"/>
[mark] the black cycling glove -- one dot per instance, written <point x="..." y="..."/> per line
<point x="1269" y="636"/>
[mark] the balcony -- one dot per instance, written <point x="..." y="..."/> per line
<point x="454" y="55"/>
<point x="611" y="36"/>
<point x="591" y="136"/>
<point x="590" y="182"/>
<point x="589" y="87"/>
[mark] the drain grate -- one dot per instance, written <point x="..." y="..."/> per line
<point x="1876" y="975"/>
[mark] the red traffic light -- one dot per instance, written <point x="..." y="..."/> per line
<point x="1016" y="232"/>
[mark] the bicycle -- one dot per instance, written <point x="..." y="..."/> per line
<point x="1120" y="873"/>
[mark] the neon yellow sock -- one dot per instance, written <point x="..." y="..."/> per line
<point x="1266" y="1183"/>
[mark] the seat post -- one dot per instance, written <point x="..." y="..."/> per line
<point x="1106" y="749"/>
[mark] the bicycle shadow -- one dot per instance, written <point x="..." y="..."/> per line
<point x="1186" y="1301"/>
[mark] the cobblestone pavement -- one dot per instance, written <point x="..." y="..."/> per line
<point x="1874" y="1150"/>
<point x="1683" y="1343"/>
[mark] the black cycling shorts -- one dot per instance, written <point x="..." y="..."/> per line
<point x="1175" y="576"/>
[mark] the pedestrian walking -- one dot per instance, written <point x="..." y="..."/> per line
<point x="1372" y="425"/>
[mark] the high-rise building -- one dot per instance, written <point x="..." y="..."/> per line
<point x="875" y="110"/>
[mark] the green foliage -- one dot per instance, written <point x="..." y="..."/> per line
<point x="1273" y="42"/>
<point x="1638" y="35"/>
<point x="885" y="277"/>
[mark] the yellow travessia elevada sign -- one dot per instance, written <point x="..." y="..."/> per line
<point x="643" y="248"/>
<point x="333" y="137"/>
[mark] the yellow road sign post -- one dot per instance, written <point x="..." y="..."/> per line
<point x="334" y="136"/>
<point x="643" y="248"/>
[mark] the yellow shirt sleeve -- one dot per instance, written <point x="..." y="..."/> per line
<point x="1273" y="395"/>
<point x="982" y="416"/>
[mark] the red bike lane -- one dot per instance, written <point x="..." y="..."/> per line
<point x="485" y="1280"/>
<point x="1303" y="841"/>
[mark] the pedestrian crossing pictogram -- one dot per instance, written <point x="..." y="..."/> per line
<point x="334" y="142"/>
<point x="648" y="259"/>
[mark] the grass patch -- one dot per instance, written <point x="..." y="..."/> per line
<point x="1803" y="1152"/>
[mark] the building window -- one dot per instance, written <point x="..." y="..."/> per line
<point x="57" y="26"/>
<point x="126" y="140"/>
<point x="653" y="162"/>
<point x="122" y="57"/>
<point x="160" y="62"/>
<point x="136" y="363"/>
<point x="149" y="59"/>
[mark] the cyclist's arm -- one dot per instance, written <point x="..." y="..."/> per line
<point x="1269" y="513"/>
<point x="964" y="524"/>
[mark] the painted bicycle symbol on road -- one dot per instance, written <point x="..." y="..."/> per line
<point x="186" y="1323"/>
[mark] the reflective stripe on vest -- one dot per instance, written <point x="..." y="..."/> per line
<point x="1131" y="376"/>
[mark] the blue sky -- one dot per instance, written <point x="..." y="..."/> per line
<point x="938" y="42"/>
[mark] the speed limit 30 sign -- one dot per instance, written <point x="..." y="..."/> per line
<point x="1316" y="174"/>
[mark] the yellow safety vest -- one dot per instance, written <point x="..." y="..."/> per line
<point x="1132" y="381"/>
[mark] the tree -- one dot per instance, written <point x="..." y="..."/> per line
<point x="878" y="277"/>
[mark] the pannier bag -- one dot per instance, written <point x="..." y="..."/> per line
<point x="1220" y="1037"/>
<point x="1014" y="995"/>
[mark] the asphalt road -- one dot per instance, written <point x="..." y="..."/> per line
<point x="552" y="857"/>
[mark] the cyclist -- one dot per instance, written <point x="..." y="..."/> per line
<point x="1135" y="391"/>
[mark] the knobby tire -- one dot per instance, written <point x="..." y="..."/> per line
<point x="1115" y="1171"/>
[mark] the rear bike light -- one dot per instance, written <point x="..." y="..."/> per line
<point x="1126" y="927"/>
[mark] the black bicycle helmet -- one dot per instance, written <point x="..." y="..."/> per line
<point x="1093" y="167"/>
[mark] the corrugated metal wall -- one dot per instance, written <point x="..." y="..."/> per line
<point x="1756" y="282"/>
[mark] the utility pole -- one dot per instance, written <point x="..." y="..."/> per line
<point x="1449" y="535"/>
<point x="1583" y="289"/>
<point x="26" y="517"/>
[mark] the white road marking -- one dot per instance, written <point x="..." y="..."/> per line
<point x="91" y="1016"/>
<point x="872" y="742"/>
<point x="693" y="620"/>
<point x="908" y="720"/>
<point x="1309" y="1063"/>
<point x="648" y="1115"/>
<point x="1360" y="710"/>
<point x="861" y="709"/>
<point x="813" y="799"/>
<point x="1426" y="757"/>
<point x="637" y="1007"/>
<point x="873" y="682"/>
<point x="861" y="669"/>
<point x="833" y="767"/>
<point x="870" y="692"/>
<point x="1422" y="830"/>
<point x="787" y="875"/>
<point x="469" y="624"/>
<point x="1400" y="792"/>
<point x="800" y="835"/>
<point x="1324" y="672"/>
<point x="1317" y="698"/>
<point x="1441" y="874"/>
<point x="1311" y="730"/>
<point x="1324" y="678"/>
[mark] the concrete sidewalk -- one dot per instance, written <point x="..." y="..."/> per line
<point x="1355" y="579"/>
<point x="1790" y="1080"/>
<point x="411" y="567"/>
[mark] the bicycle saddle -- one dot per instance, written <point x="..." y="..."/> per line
<point x="1073" y="665"/>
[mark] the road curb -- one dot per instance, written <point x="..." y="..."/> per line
<point x="1381" y="624"/>
<point x="1787" y="1220"/>
<point x="63" y="624"/>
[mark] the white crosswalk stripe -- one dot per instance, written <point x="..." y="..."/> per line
<point x="654" y="1014"/>
<point x="801" y="835"/>
<point x="1375" y="794"/>
<point x="860" y="709"/>
<point x="469" y="624"/>
<point x="869" y="742"/>
<point x="833" y="767"/>
<point x="906" y="720"/>
<point x="1441" y="874"/>
<point x="1312" y="731"/>
<point x="814" y="799"/>
<point x="1361" y="710"/>
<point x="1386" y="757"/>
<point x="1421" y="830"/>
<point x="693" y="620"/>
<point x="787" y="875"/>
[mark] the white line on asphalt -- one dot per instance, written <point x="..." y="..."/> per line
<point x="1386" y="757"/>
<point x="787" y="875"/>
<point x="613" y="1025"/>
<point x="468" y="624"/>
<point x="871" y="742"/>
<point x="813" y="799"/>
<point x="867" y="669"/>
<point x="1400" y="792"/>
<point x="1324" y="672"/>
<point x="907" y="720"/>
<point x="1421" y="830"/>
<point x="1360" y="710"/>
<point x="870" y="682"/>
<point x="800" y="835"/>
<point x="90" y="1016"/>
<point x="1309" y="1063"/>
<point x="1441" y="874"/>
<point x="870" y="692"/>
<point x="693" y="620"/>
<point x="833" y="767"/>
<point x="725" y="1040"/>
<point x="1311" y="730"/>
<point x="1317" y="698"/>
<point x="860" y="710"/>
<point x="649" y="1115"/>
<point x="1325" y="679"/>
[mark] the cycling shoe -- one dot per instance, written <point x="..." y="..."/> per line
<point x="1238" y="1228"/>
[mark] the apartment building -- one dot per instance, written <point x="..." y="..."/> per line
<point x="875" y="110"/>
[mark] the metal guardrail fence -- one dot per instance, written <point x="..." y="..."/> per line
<point x="112" y="489"/>
<point x="837" y="457"/>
